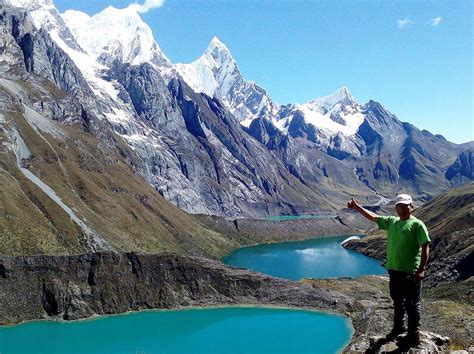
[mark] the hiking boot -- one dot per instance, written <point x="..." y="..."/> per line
<point x="412" y="339"/>
<point x="395" y="332"/>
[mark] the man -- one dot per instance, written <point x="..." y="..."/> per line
<point x="407" y="257"/>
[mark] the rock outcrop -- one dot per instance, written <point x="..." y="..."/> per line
<point x="73" y="287"/>
<point x="445" y="323"/>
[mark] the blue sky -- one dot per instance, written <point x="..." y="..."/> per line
<point x="414" y="57"/>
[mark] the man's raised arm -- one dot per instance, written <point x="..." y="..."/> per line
<point x="352" y="204"/>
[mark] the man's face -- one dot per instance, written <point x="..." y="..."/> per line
<point x="404" y="210"/>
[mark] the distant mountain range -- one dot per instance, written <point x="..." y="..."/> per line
<point x="201" y="135"/>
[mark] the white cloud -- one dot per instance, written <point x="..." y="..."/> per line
<point x="404" y="23"/>
<point x="146" y="6"/>
<point x="435" y="21"/>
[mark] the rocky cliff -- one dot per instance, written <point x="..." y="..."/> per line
<point x="73" y="287"/>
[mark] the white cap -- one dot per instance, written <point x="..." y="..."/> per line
<point x="403" y="199"/>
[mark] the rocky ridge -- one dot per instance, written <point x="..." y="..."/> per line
<point x="73" y="287"/>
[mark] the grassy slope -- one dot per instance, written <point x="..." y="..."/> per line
<point x="98" y="183"/>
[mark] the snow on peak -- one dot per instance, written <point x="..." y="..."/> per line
<point x="216" y="74"/>
<point x="217" y="45"/>
<point x="336" y="113"/>
<point x="45" y="15"/>
<point x="213" y="73"/>
<point x="344" y="94"/>
<point x="340" y="98"/>
<point x="115" y="34"/>
<point x="30" y="4"/>
<point x="219" y="55"/>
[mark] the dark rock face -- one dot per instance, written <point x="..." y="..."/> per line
<point x="298" y="127"/>
<point x="62" y="70"/>
<point x="147" y="91"/>
<point x="266" y="133"/>
<point x="369" y="135"/>
<point x="462" y="169"/>
<point x="75" y="287"/>
<point x="27" y="45"/>
<point x="23" y="40"/>
<point x="42" y="56"/>
<point x="336" y="148"/>
<point x="43" y="59"/>
<point x="204" y="151"/>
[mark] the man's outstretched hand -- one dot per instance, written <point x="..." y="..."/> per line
<point x="352" y="204"/>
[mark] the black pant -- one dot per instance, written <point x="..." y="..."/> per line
<point x="405" y="292"/>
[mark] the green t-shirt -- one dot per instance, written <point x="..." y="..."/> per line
<point x="403" y="242"/>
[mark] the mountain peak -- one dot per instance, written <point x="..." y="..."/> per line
<point x="115" y="34"/>
<point x="217" y="74"/>
<point x="338" y="112"/>
<point x="217" y="43"/>
<point x="214" y="71"/>
<point x="218" y="52"/>
<point x="341" y="96"/>
<point x="344" y="92"/>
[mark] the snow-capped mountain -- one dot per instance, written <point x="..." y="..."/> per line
<point x="338" y="112"/>
<point x="94" y="43"/>
<point x="208" y="140"/>
<point x="333" y="114"/>
<point x="216" y="74"/>
<point x="213" y="73"/>
<point x="116" y="34"/>
<point x="45" y="15"/>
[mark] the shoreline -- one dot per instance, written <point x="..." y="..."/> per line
<point x="251" y="232"/>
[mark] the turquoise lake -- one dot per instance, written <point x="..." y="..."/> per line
<point x="314" y="258"/>
<point x="219" y="330"/>
<point x="298" y="217"/>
